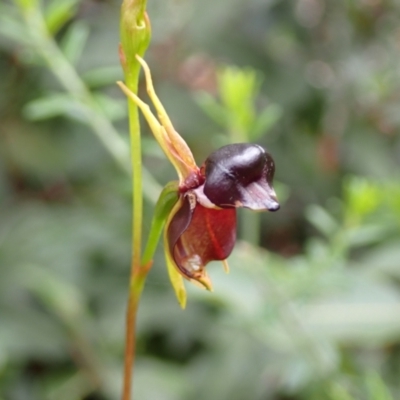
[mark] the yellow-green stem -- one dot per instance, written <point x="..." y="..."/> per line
<point x="135" y="289"/>
<point x="135" y="37"/>
<point x="136" y="157"/>
<point x="138" y="278"/>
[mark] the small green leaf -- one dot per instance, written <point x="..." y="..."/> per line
<point x="53" y="105"/>
<point x="377" y="388"/>
<point x="265" y="121"/>
<point x="58" y="13"/>
<point x="362" y="197"/>
<point x="212" y="108"/>
<point x="102" y="76"/>
<point x="26" y="4"/>
<point x="338" y="392"/>
<point x="238" y="88"/>
<point x="322" y="220"/>
<point x="165" y="203"/>
<point x="74" y="41"/>
<point x="56" y="294"/>
<point x="114" y="109"/>
<point x="365" y="235"/>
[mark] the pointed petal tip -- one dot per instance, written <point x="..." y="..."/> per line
<point x="225" y="266"/>
<point x="273" y="206"/>
<point x="206" y="282"/>
<point x="182" y="298"/>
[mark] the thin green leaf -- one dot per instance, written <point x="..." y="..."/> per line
<point x="56" y="294"/>
<point x="212" y="108"/>
<point x="322" y="220"/>
<point x="265" y="121"/>
<point x="112" y="108"/>
<point x="102" y="76"/>
<point x="338" y="392"/>
<point x="74" y="41"/>
<point x="362" y="197"/>
<point x="377" y="388"/>
<point x="53" y="105"/>
<point x="366" y="235"/>
<point x="58" y="13"/>
<point x="165" y="203"/>
<point x="238" y="87"/>
<point x="26" y="4"/>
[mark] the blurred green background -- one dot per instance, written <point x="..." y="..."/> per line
<point x="311" y="308"/>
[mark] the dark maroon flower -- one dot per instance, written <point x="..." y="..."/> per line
<point x="240" y="175"/>
<point x="201" y="226"/>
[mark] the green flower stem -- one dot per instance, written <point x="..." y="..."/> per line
<point x="135" y="37"/>
<point x="166" y="201"/>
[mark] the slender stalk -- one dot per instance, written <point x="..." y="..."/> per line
<point x="138" y="278"/>
<point x="136" y="159"/>
<point x="135" y="37"/>
<point x="138" y="274"/>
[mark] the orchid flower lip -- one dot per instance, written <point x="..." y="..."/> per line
<point x="237" y="175"/>
<point x="240" y="175"/>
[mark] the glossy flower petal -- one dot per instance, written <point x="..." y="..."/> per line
<point x="197" y="235"/>
<point x="240" y="175"/>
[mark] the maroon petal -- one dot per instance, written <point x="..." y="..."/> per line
<point x="198" y="235"/>
<point x="240" y="175"/>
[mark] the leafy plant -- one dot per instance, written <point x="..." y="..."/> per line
<point x="315" y="316"/>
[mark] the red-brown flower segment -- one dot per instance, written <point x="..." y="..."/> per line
<point x="203" y="226"/>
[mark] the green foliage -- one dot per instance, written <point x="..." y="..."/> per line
<point x="377" y="388"/>
<point x="74" y="41"/>
<point x="313" y="312"/>
<point x="164" y="205"/>
<point x="236" y="112"/>
<point x="58" y="13"/>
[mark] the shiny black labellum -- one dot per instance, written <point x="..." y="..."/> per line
<point x="240" y="175"/>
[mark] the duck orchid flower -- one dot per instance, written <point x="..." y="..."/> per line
<point x="201" y="225"/>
